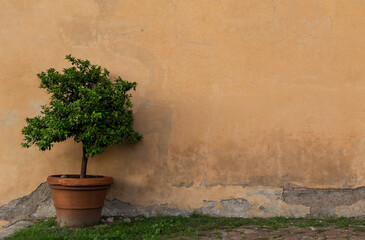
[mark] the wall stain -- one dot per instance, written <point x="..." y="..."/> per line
<point x="9" y="118"/>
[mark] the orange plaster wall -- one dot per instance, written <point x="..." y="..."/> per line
<point x="231" y="93"/>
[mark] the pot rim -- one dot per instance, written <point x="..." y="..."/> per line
<point x="96" y="180"/>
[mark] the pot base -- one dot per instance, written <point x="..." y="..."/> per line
<point x="78" y="218"/>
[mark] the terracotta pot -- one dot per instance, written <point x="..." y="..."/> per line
<point x="79" y="201"/>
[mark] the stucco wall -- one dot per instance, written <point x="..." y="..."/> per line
<point x="234" y="97"/>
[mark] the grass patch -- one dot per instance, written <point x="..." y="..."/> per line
<point x="358" y="229"/>
<point x="192" y="227"/>
<point x="218" y="235"/>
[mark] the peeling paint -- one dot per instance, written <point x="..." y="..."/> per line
<point x="236" y="207"/>
<point x="327" y="202"/>
<point x="184" y="185"/>
<point x="355" y="210"/>
<point x="259" y="202"/>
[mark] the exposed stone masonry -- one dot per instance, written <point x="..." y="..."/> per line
<point x="265" y="202"/>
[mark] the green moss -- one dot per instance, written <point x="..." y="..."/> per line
<point x="277" y="236"/>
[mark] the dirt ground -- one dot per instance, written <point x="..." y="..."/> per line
<point x="295" y="233"/>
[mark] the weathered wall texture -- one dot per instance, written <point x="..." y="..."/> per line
<point x="236" y="99"/>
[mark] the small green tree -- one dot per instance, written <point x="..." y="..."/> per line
<point x="85" y="104"/>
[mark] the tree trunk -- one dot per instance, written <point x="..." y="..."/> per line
<point x="84" y="163"/>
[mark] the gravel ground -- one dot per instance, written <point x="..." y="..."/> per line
<point x="295" y="233"/>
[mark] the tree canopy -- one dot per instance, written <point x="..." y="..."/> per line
<point x="85" y="104"/>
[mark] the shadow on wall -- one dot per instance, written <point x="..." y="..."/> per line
<point x="139" y="168"/>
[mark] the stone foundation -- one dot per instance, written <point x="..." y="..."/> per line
<point x="260" y="202"/>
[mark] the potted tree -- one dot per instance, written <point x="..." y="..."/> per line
<point x="96" y="111"/>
